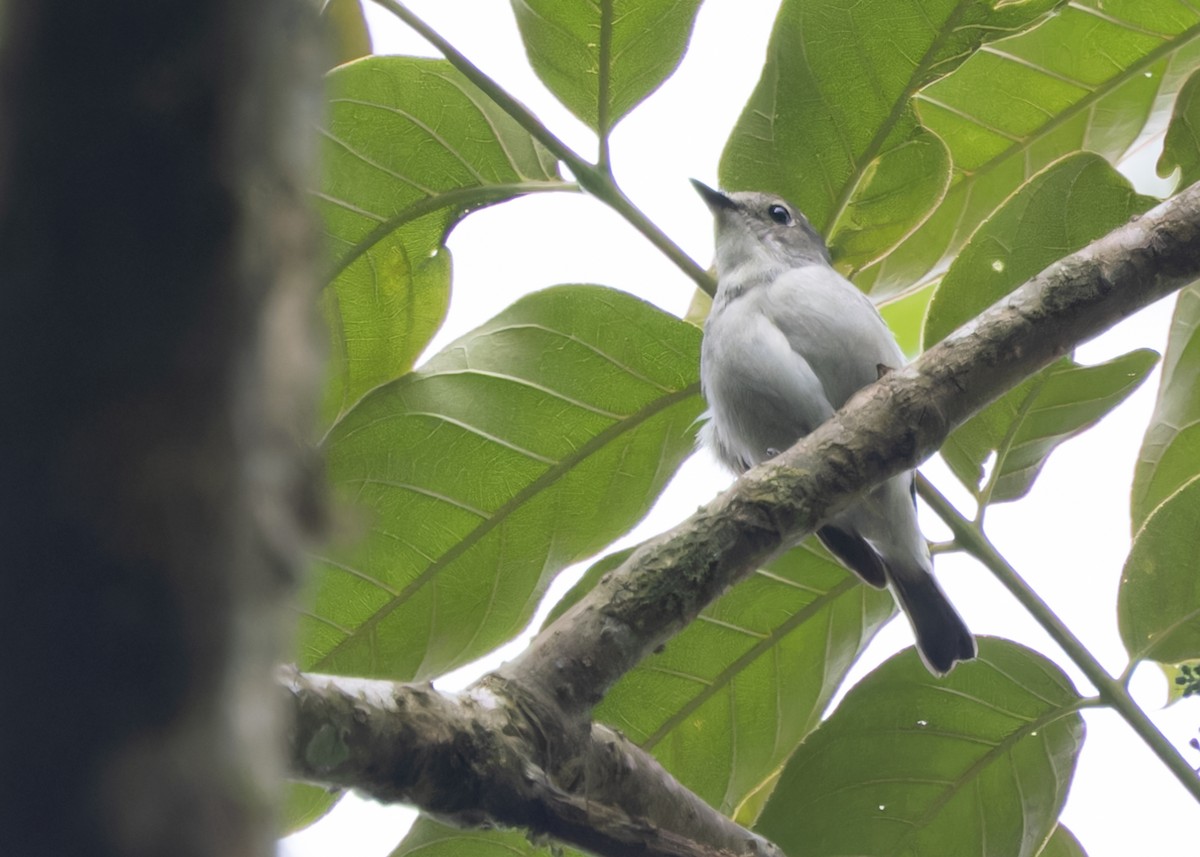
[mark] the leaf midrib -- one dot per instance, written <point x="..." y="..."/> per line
<point x="1170" y="46"/>
<point x="461" y="199"/>
<point x="529" y="492"/>
<point x="735" y="667"/>
<point x="899" y="106"/>
<point x="980" y="766"/>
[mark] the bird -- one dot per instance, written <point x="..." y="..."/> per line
<point x="788" y="341"/>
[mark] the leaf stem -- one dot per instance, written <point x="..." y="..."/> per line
<point x="1112" y="691"/>
<point x="595" y="179"/>
<point x="602" y="185"/>
<point x="603" y="85"/>
<point x="936" y="548"/>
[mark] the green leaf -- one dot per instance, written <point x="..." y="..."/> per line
<point x="1158" y="606"/>
<point x="1087" y="79"/>
<point x="587" y="583"/>
<point x="751" y="807"/>
<point x="1069" y="204"/>
<point x="348" y="28"/>
<point x="905" y="316"/>
<point x="893" y="194"/>
<point x="1183" y="680"/>
<point x="1170" y="453"/>
<point x="428" y="838"/>
<point x="727" y="701"/>
<point x="305" y="804"/>
<point x="410" y="147"/>
<point x="1062" y="843"/>
<point x="830" y="125"/>
<point x="523" y="447"/>
<point x="601" y="58"/>
<point x="1181" y="147"/>
<point x="976" y="763"/>
<point x="1023" y="427"/>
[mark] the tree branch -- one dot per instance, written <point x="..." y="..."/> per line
<point x="481" y="758"/>
<point x="594" y="178"/>
<point x="971" y="538"/>
<point x="886" y="428"/>
<point x="519" y="747"/>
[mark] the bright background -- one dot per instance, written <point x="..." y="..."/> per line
<point x="1068" y="538"/>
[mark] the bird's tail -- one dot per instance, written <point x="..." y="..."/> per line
<point x="942" y="637"/>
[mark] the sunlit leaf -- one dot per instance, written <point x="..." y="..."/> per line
<point x="830" y="125"/>
<point x="1088" y="79"/>
<point x="602" y="58"/>
<point x="1170" y="453"/>
<point x="895" y="191"/>
<point x="1181" y="147"/>
<point x="1183" y="680"/>
<point x="1062" y="843"/>
<point x="1158" y="606"/>
<point x="587" y="583"/>
<point x="747" y="812"/>
<point x="410" y="147"/>
<point x="977" y="763"/>
<point x="524" y="446"/>
<point x="905" y="317"/>
<point x="729" y="698"/>
<point x="1061" y="209"/>
<point x="305" y="804"/>
<point x="350" y="37"/>
<point x="1023" y="427"/>
<point x="428" y="838"/>
<point x="698" y="308"/>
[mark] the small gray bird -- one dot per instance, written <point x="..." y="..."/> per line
<point x="788" y="341"/>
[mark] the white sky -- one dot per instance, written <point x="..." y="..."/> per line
<point x="1069" y="538"/>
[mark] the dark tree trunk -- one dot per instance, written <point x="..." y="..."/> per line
<point x="156" y="263"/>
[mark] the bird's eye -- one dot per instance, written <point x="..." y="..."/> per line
<point x="780" y="215"/>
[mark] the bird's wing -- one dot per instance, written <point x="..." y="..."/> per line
<point x="762" y="393"/>
<point x="834" y="327"/>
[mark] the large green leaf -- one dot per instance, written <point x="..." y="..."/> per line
<point x="977" y="763"/>
<point x="726" y="702"/>
<point x="1023" y="427"/>
<point x="1061" y="209"/>
<point x="1170" y="453"/>
<point x="601" y="58"/>
<point x="1181" y="147"/>
<point x="586" y="583"/>
<point x="1158" y="606"/>
<point x="522" y="447"/>
<point x="1062" y="843"/>
<point x="1088" y="79"/>
<point x="429" y="838"/>
<point x="305" y="804"/>
<point x="905" y="317"/>
<point x="348" y="29"/>
<point x="1183" y="680"/>
<point x="831" y="126"/>
<point x="410" y="147"/>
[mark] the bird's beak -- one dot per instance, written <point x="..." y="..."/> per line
<point x="714" y="199"/>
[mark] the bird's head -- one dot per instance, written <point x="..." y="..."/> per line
<point x="761" y="229"/>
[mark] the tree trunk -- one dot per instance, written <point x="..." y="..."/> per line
<point x="156" y="257"/>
